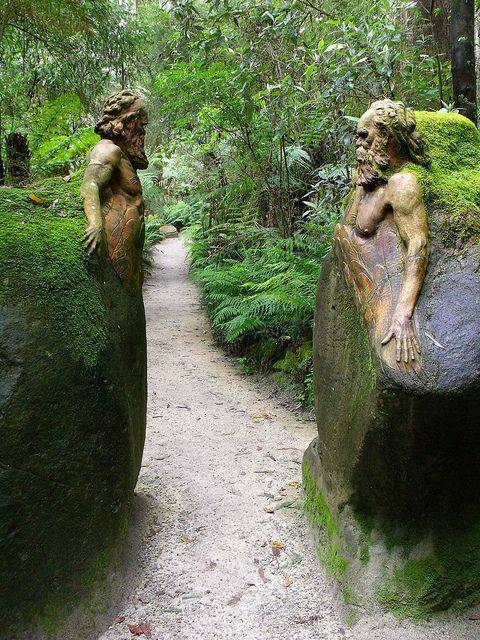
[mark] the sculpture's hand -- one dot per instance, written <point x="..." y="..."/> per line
<point x="401" y="328"/>
<point x="93" y="239"/>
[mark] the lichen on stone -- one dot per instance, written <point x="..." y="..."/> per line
<point x="318" y="511"/>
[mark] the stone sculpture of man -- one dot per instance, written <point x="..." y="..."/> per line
<point x="111" y="188"/>
<point x="385" y="207"/>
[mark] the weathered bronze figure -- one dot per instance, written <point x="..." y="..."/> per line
<point x="111" y="188"/>
<point x="392" y="479"/>
<point x="386" y="141"/>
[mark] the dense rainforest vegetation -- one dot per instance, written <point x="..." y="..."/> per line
<point x="253" y="107"/>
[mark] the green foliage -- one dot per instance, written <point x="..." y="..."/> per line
<point x="152" y="237"/>
<point x="260" y="288"/>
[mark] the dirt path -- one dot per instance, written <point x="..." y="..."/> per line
<point x="218" y="452"/>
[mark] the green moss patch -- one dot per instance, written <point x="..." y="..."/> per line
<point x="319" y="513"/>
<point x="451" y="184"/>
<point x="43" y="264"/>
<point x="448" y="578"/>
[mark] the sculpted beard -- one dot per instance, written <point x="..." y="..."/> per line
<point x="371" y="165"/>
<point x="136" y="148"/>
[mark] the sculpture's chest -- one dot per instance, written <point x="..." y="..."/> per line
<point x="370" y="211"/>
<point x="127" y="180"/>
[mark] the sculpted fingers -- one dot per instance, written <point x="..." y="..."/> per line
<point x="411" y="350"/>
<point x="388" y="336"/>
<point x="398" y="349"/>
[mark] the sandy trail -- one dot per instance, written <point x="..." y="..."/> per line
<point x="219" y="450"/>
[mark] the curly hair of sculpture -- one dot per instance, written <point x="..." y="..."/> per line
<point x="118" y="108"/>
<point x="397" y="363"/>
<point x="394" y="120"/>
<point x="111" y="188"/>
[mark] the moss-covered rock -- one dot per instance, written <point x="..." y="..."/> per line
<point x="396" y="459"/>
<point x="72" y="400"/>
<point x="451" y="183"/>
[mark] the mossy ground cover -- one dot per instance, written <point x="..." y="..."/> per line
<point x="451" y="184"/>
<point x="43" y="264"/>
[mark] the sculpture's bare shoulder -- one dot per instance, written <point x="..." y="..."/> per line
<point x="404" y="180"/>
<point x="105" y="152"/>
<point x="404" y="192"/>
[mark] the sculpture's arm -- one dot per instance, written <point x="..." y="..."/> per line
<point x="405" y="196"/>
<point x="102" y="161"/>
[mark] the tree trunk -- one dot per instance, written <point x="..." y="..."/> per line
<point x="2" y="170"/>
<point x="17" y="158"/>
<point x="463" y="57"/>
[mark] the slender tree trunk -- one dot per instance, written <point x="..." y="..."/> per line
<point x="463" y="57"/>
<point x="17" y="158"/>
<point x="2" y="167"/>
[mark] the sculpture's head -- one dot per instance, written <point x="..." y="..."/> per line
<point x="123" y="121"/>
<point x="387" y="138"/>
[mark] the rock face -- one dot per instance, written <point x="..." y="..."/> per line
<point x="72" y="402"/>
<point x="169" y="231"/>
<point x="392" y="479"/>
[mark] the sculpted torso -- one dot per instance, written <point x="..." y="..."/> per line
<point x="121" y="206"/>
<point x="395" y="201"/>
<point x="111" y="188"/>
<point x="367" y="210"/>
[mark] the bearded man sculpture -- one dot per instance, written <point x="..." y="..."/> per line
<point x="386" y="141"/>
<point x="111" y="189"/>
<point x="397" y="365"/>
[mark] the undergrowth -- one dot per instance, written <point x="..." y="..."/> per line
<point x="259" y="289"/>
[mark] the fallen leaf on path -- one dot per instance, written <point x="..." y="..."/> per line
<point x="211" y="565"/>
<point x="268" y="510"/>
<point x="186" y="539"/>
<point x="287" y="581"/>
<point x="140" y="630"/>
<point x="263" y="415"/>
<point x="276" y="544"/>
<point x="295" y="484"/>
<point x="261" y="573"/>
<point x="264" y="471"/>
<point x="276" y="552"/>
<point x="235" y="599"/>
<point x="308" y="619"/>
<point x="35" y="199"/>
<point x="285" y="505"/>
<point x="238" y="596"/>
<point x="119" y="620"/>
<point x="151" y="532"/>
<point x="292" y="561"/>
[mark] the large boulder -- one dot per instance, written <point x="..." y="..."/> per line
<point x="72" y="401"/>
<point x="393" y="478"/>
